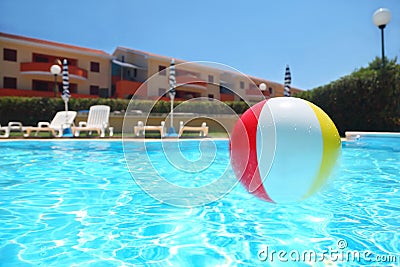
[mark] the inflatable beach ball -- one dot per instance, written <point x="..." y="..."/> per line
<point x="284" y="149"/>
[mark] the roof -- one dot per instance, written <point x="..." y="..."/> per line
<point x="50" y="43"/>
<point x="197" y="64"/>
<point x="148" y="54"/>
<point x="178" y="61"/>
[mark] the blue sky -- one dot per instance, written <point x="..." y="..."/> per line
<point x="320" y="40"/>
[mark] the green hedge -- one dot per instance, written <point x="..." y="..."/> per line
<point x="30" y="110"/>
<point x="366" y="100"/>
<point x="210" y="107"/>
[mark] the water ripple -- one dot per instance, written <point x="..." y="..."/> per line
<point x="84" y="209"/>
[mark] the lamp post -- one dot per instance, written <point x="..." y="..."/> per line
<point x="381" y="18"/>
<point x="55" y="70"/>
<point x="263" y="87"/>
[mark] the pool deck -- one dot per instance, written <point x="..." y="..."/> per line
<point x="356" y="135"/>
<point x="108" y="139"/>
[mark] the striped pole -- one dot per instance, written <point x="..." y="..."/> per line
<point x="172" y="79"/>
<point x="172" y="85"/>
<point x="65" y="93"/>
<point x="288" y="80"/>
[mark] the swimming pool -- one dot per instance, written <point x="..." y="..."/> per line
<point x="74" y="203"/>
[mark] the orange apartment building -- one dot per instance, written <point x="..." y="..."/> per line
<point x="25" y="68"/>
<point x="131" y="68"/>
<point x="25" y="71"/>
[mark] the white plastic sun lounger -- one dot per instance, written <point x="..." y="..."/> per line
<point x="203" y="129"/>
<point x="4" y="131"/>
<point x="97" y="121"/>
<point x="140" y="129"/>
<point x="61" y="121"/>
<point x="15" y="126"/>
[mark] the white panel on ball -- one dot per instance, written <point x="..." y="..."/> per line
<point x="299" y="148"/>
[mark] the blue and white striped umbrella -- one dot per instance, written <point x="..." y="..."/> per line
<point x="172" y="79"/>
<point x="288" y="80"/>
<point x="65" y="96"/>
<point x="65" y="93"/>
<point x="172" y="92"/>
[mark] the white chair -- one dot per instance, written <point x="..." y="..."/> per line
<point x="15" y="126"/>
<point x="6" y="131"/>
<point x="61" y="121"/>
<point x="97" y="121"/>
<point x="140" y="129"/>
<point x="203" y="129"/>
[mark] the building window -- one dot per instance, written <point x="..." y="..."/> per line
<point x="94" y="90"/>
<point x="41" y="58"/>
<point x="210" y="96"/>
<point x="270" y="90"/>
<point x="73" y="88"/>
<point x="162" y="91"/>
<point x="9" y="54"/>
<point x="253" y="86"/>
<point x="10" y="82"/>
<point x="103" y="92"/>
<point x="210" y="78"/>
<point x="94" y="66"/>
<point x="113" y="90"/>
<point x="225" y="90"/>
<point x="39" y="85"/>
<point x="161" y="70"/>
<point x="71" y="62"/>
<point x="241" y="85"/>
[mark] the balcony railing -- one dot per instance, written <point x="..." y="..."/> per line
<point x="190" y="80"/>
<point x="126" y="89"/>
<point x="32" y="67"/>
<point x="227" y="97"/>
<point x="253" y="92"/>
<point x="33" y="93"/>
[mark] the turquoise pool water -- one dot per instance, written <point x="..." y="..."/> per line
<point x="74" y="203"/>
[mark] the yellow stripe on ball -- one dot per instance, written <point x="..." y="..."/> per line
<point x="331" y="149"/>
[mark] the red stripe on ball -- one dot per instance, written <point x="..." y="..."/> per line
<point x="243" y="148"/>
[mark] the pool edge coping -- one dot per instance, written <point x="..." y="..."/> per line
<point x="355" y="135"/>
<point x="109" y="139"/>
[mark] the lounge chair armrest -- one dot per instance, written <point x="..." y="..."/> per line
<point x="14" y="124"/>
<point x="82" y="124"/>
<point x="43" y="124"/>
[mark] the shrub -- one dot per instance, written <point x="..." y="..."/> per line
<point x="366" y="100"/>
<point x="30" y="110"/>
